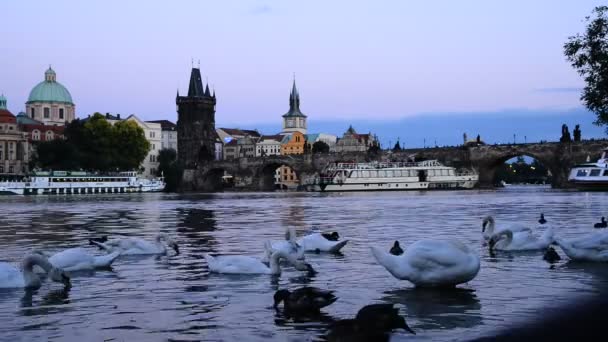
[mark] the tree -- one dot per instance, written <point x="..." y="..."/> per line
<point x="56" y="154"/>
<point x="130" y="145"/>
<point x="588" y="54"/>
<point x="97" y="147"/>
<point x="320" y="147"/>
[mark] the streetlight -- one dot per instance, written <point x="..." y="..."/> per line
<point x="514" y="139"/>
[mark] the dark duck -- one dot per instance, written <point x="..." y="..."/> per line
<point x="304" y="300"/>
<point x="542" y="219"/>
<point x="373" y="323"/>
<point x="551" y="256"/>
<point x="602" y="224"/>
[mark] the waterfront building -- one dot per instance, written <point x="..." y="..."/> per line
<point x="268" y="145"/>
<point x="14" y="156"/>
<point x="35" y="130"/>
<point x="168" y="134"/>
<point x="50" y="102"/>
<point x="153" y="134"/>
<point x="240" y="148"/>
<point x="197" y="140"/>
<point x="294" y="120"/>
<point x="293" y="143"/>
<point x="329" y="139"/>
<point x="352" y="141"/>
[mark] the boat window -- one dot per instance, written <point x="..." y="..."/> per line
<point x="595" y="172"/>
<point x="373" y="173"/>
<point x="430" y="173"/>
<point x="365" y="173"/>
<point x="581" y="173"/>
<point x="605" y="173"/>
<point x="389" y="173"/>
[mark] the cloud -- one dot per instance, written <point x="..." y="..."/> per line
<point x="261" y="9"/>
<point x="560" y="90"/>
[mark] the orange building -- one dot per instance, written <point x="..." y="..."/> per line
<point x="293" y="144"/>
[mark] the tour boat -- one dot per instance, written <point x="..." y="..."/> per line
<point x="591" y="176"/>
<point x="77" y="182"/>
<point x="424" y="175"/>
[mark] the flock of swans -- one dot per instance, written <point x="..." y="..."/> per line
<point x="425" y="263"/>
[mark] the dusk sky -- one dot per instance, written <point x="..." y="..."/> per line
<point x="376" y="64"/>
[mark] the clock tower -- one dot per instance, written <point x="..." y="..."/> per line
<point x="294" y="120"/>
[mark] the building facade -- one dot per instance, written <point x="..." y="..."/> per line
<point x="294" y="120"/>
<point x="268" y="145"/>
<point x="14" y="154"/>
<point x="352" y="141"/>
<point x="50" y="102"/>
<point x="196" y="136"/>
<point x="168" y="135"/>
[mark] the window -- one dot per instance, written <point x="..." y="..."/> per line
<point x="581" y="173"/>
<point x="594" y="173"/>
<point x="35" y="134"/>
<point x="61" y="113"/>
<point x="11" y="169"/>
<point x="152" y="135"/>
<point x="33" y="112"/>
<point x="49" y="135"/>
<point x="47" y="112"/>
<point x="1" y="169"/>
<point x="153" y="146"/>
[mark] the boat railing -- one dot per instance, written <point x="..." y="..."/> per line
<point x="381" y="165"/>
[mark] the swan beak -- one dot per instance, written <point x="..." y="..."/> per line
<point x="491" y="244"/>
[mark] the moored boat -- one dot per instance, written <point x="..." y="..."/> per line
<point x="591" y="176"/>
<point x="78" y="182"/>
<point x="424" y="175"/>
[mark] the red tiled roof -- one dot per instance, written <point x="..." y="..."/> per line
<point x="43" y="128"/>
<point x="7" y="117"/>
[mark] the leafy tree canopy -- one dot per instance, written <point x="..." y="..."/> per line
<point x="588" y="54"/>
<point x="320" y="147"/>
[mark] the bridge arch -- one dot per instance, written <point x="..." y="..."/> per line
<point x="267" y="174"/>
<point x="488" y="167"/>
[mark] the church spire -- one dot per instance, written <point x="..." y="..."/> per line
<point x="196" y="84"/>
<point x="207" y="92"/>
<point x="2" y="101"/>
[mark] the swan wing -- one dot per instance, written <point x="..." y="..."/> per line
<point x="316" y="241"/>
<point x="70" y="258"/>
<point x="237" y="264"/>
<point x="10" y="276"/>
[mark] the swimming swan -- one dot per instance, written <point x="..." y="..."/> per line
<point x="137" y="246"/>
<point x="317" y="242"/>
<point x="12" y="277"/>
<point x="591" y="247"/>
<point x="241" y="264"/>
<point x="488" y="228"/>
<point x="77" y="259"/>
<point x="431" y="263"/>
<point x="506" y="240"/>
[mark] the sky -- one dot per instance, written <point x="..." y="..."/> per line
<point x="483" y="67"/>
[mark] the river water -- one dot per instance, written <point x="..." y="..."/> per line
<point x="174" y="298"/>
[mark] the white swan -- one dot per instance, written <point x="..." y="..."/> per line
<point x="241" y="264"/>
<point x="431" y="263"/>
<point x="488" y="228"/>
<point x="591" y="247"/>
<point x="316" y="242"/>
<point x="12" y="277"/>
<point x="294" y="253"/>
<point x="137" y="246"/>
<point x="506" y="240"/>
<point x="77" y="259"/>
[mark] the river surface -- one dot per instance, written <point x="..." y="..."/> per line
<point x="174" y="298"/>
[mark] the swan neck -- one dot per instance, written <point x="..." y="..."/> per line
<point x="391" y="263"/>
<point x="29" y="277"/>
<point x="274" y="263"/>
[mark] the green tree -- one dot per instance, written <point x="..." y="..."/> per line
<point x="97" y="147"/>
<point x="129" y="145"/>
<point x="170" y="168"/>
<point x="56" y="154"/>
<point x="320" y="147"/>
<point x="588" y="54"/>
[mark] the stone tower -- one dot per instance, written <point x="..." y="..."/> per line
<point x="294" y="120"/>
<point x="196" y="136"/>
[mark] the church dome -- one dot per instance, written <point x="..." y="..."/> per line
<point x="50" y="90"/>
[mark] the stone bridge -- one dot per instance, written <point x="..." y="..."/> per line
<point x="258" y="173"/>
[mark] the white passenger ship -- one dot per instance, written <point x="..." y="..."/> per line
<point x="77" y="182"/>
<point x="424" y="175"/>
<point x="591" y="176"/>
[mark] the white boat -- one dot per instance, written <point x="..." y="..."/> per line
<point x="424" y="175"/>
<point x="77" y="182"/>
<point x="591" y="176"/>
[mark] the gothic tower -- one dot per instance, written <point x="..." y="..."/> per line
<point x="196" y="136"/>
<point x="294" y="120"/>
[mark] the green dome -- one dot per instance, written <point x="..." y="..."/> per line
<point x="50" y="90"/>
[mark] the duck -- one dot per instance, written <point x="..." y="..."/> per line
<point x="373" y="322"/>
<point x="431" y="263"/>
<point x="542" y="220"/>
<point x="551" y="256"/>
<point x="242" y="264"/>
<point x="488" y="228"/>
<point x="591" y="247"/>
<point x="78" y="259"/>
<point x="506" y="240"/>
<point x="304" y="300"/>
<point x="601" y="224"/>
<point x="396" y="249"/>
<point x="12" y="277"/>
<point x="137" y="246"/>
